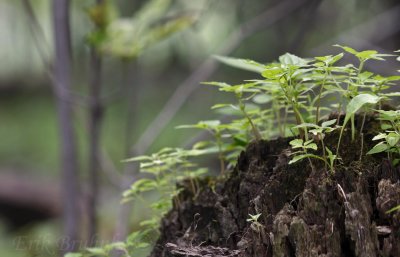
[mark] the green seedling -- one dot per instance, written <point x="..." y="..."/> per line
<point x="353" y="107"/>
<point x="240" y="91"/>
<point x="216" y="129"/>
<point x="390" y="138"/>
<point x="323" y="65"/>
<point x="303" y="147"/>
<point x="289" y="74"/>
<point x="319" y="133"/>
<point x="254" y="223"/>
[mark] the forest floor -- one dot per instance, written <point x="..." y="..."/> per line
<point x="304" y="210"/>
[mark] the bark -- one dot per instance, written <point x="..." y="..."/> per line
<point x="62" y="84"/>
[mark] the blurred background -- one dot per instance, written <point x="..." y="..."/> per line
<point x="148" y="87"/>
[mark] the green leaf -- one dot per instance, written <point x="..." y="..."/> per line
<point x="379" y="136"/>
<point x="392" y="139"/>
<point x="312" y="146"/>
<point x="241" y="63"/>
<point x="368" y="54"/>
<point x="207" y="124"/>
<point x="262" y="98"/>
<point x="296" y="143"/>
<point x="272" y="73"/>
<point x="357" y="103"/>
<point x="142" y="185"/>
<point x="306" y="125"/>
<point x="138" y="159"/>
<point x="303" y="156"/>
<point x="97" y="251"/>
<point x="378" y="148"/>
<point x="253" y="217"/>
<point x="221" y="85"/>
<point x="290" y="59"/>
<point x="328" y="123"/>
<point x="347" y="49"/>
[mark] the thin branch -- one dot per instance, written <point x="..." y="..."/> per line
<point x="41" y="44"/>
<point x="179" y="97"/>
<point x="95" y="120"/>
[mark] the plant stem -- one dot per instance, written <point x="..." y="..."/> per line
<point x="253" y="127"/>
<point x="319" y="99"/>
<point x="324" y="152"/>
<point x="220" y="153"/>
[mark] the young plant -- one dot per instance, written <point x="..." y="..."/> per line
<point x="390" y="138"/>
<point x="240" y="92"/>
<point x="352" y="108"/>
<point x="254" y="223"/>
<point x="289" y="74"/>
<point x="323" y="67"/>
<point x="319" y="133"/>
<point x="303" y="147"/>
<point x="216" y="129"/>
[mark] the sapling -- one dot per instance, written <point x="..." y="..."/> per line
<point x="355" y="105"/>
<point x="390" y="138"/>
<point x="215" y="128"/>
<point x="254" y="223"/>
<point x="319" y="133"/>
<point x="239" y="92"/>
<point x="323" y="65"/>
<point x="288" y="75"/>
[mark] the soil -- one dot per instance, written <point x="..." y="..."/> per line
<point x="305" y="210"/>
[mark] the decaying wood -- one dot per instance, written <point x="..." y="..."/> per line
<point x="305" y="212"/>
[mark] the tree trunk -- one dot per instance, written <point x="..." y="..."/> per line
<point x="69" y="162"/>
<point x="95" y="120"/>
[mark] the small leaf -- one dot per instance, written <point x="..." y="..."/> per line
<point x="262" y="99"/>
<point x="253" y="217"/>
<point x="97" y="251"/>
<point x="347" y="49"/>
<point x="392" y="139"/>
<point x="378" y="148"/>
<point x="312" y="146"/>
<point x="290" y="59"/>
<point x="296" y="143"/>
<point x="379" y="136"/>
<point x="328" y="123"/>
<point x="138" y="159"/>
<point x="357" y="103"/>
<point x="368" y="54"/>
<point x="241" y="63"/>
<point x="302" y="156"/>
